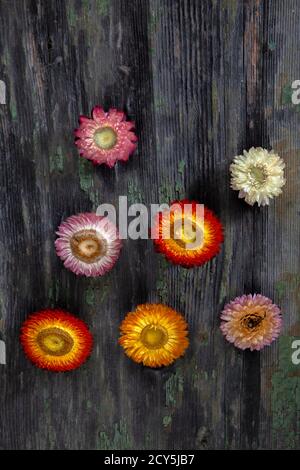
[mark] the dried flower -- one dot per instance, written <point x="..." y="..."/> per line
<point x="105" y="138"/>
<point x="258" y="175"/>
<point x="251" y="321"/>
<point x="154" y="334"/>
<point x="187" y="237"/>
<point x="88" y="244"/>
<point x="56" y="340"/>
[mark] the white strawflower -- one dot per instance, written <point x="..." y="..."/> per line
<point x="258" y="175"/>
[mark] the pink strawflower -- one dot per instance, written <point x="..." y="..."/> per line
<point x="105" y="138"/>
<point x="88" y="244"/>
<point x="251" y="321"/>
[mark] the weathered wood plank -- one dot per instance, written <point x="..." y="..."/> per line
<point x="203" y="80"/>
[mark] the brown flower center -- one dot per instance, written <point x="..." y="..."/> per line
<point x="187" y="234"/>
<point x="55" y="341"/>
<point x="88" y="246"/>
<point x="252" y="320"/>
<point x="105" y="138"/>
<point x="154" y="336"/>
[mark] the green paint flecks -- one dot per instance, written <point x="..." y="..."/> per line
<point x="153" y="22"/>
<point x="167" y="420"/>
<point x="166" y="189"/>
<point x="182" y="273"/>
<point x="287" y="92"/>
<point x="71" y="15"/>
<point x="162" y="282"/>
<point x="166" y="194"/>
<point x="272" y="45"/>
<point x="288" y="284"/>
<point x="134" y="194"/>
<point x="196" y="375"/>
<point x="104" y="293"/>
<point x="120" y="439"/>
<point x="103" y="7"/>
<point x="173" y="390"/>
<point x="90" y="296"/>
<point x="280" y="290"/>
<point x="89" y="405"/>
<point x="85" y="175"/>
<point x="13" y="110"/>
<point x="181" y="166"/>
<point x="159" y="103"/>
<point x="6" y="57"/>
<point x="86" y="181"/>
<point x="179" y="183"/>
<point x="231" y="6"/>
<point x="286" y="96"/>
<point x="95" y="198"/>
<point x="286" y="398"/>
<point x="86" y="4"/>
<point x="57" y="161"/>
<point x="96" y="293"/>
<point x="182" y="276"/>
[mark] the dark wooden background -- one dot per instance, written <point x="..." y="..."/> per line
<point x="203" y="80"/>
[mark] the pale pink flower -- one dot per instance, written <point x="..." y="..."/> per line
<point x="88" y="244"/>
<point x="251" y="321"/>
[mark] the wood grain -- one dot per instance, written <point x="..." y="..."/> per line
<point x="203" y="80"/>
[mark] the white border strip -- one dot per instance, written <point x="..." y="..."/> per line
<point x="2" y="353"/>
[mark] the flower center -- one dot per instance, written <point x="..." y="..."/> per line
<point x="55" y="341"/>
<point x="88" y="246"/>
<point x="187" y="234"/>
<point x="252" y="321"/>
<point x="105" y="138"/>
<point x="154" y="336"/>
<point x="258" y="175"/>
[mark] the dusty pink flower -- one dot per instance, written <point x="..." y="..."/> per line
<point x="88" y="244"/>
<point x="105" y="138"/>
<point x="251" y="321"/>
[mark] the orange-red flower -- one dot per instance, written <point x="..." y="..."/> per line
<point x="56" y="340"/>
<point x="154" y="335"/>
<point x="187" y="235"/>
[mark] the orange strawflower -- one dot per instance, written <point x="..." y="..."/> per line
<point x="154" y="335"/>
<point x="56" y="340"/>
<point x="193" y="236"/>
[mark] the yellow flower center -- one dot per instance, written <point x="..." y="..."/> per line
<point x="258" y="175"/>
<point x="105" y="138"/>
<point x="55" y="341"/>
<point x="187" y="235"/>
<point x="154" y="336"/>
<point x="87" y="246"/>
